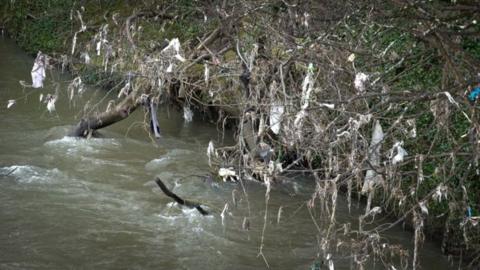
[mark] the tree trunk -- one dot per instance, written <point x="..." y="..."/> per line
<point x="88" y="125"/>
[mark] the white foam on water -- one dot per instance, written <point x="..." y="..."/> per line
<point x="173" y="156"/>
<point x="32" y="174"/>
<point x="75" y="146"/>
<point x="158" y="163"/>
<point x="180" y="153"/>
<point x="98" y="162"/>
<point x="171" y="218"/>
<point x="198" y="229"/>
<point x="172" y="204"/>
<point x="151" y="184"/>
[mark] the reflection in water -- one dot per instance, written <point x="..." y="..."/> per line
<point x="92" y="204"/>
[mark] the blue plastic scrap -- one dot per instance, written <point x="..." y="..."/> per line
<point x="469" y="211"/>
<point x="474" y="94"/>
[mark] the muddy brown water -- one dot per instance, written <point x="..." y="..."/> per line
<point x="92" y="204"/>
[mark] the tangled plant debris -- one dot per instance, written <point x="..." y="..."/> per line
<point x="371" y="99"/>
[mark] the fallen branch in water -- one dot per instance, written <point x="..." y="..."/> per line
<point x="178" y="199"/>
<point x="9" y="173"/>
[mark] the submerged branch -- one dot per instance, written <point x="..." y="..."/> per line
<point x="9" y="173"/>
<point x="179" y="200"/>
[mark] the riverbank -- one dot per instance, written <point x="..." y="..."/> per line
<point x="311" y="86"/>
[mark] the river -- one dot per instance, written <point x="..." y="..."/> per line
<point x="92" y="204"/>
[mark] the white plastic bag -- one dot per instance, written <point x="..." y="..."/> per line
<point x="38" y="71"/>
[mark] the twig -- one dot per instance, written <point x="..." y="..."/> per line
<point x="179" y="200"/>
<point x="9" y="173"/>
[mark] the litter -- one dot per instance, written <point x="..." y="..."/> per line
<point x="474" y="94"/>
<point x="360" y="81"/>
<point x="11" y="102"/>
<point x="38" y="71"/>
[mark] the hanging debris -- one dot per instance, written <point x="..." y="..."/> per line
<point x="265" y="152"/>
<point x="101" y="38"/>
<point x="206" y="74"/>
<point x="371" y="177"/>
<point x="330" y="262"/>
<point x="86" y="57"/>
<point x="276" y="116"/>
<point x="451" y="99"/>
<point x="98" y="47"/>
<point x="106" y="56"/>
<point x="227" y="174"/>
<point x="306" y="18"/>
<point x="83" y="28"/>
<point x="38" y="70"/>
<point x="126" y="88"/>
<point x="110" y="105"/>
<point x="351" y="58"/>
<point x="187" y="114"/>
<point x="261" y="126"/>
<point x="174" y="46"/>
<point x="360" y="81"/>
<point x="11" y="102"/>
<point x="412" y="133"/>
<point x="419" y="166"/>
<point x="274" y="168"/>
<point x="222" y="215"/>
<point x="154" y="126"/>
<point x="50" y="100"/>
<point x="307" y="87"/>
<point x="298" y="123"/>
<point x="327" y="105"/>
<point x="423" y="207"/>
<point x="210" y="152"/>
<point x="475" y="93"/>
<point x="64" y="61"/>
<point x="169" y="68"/>
<point x="75" y="86"/>
<point x="400" y="153"/>
<point x="441" y="192"/>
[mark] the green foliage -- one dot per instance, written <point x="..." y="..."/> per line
<point x="39" y="25"/>
<point x="421" y="71"/>
<point x="472" y="45"/>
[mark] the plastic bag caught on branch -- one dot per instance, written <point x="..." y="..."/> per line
<point x="174" y="45"/>
<point x="77" y="85"/>
<point x="187" y="114"/>
<point x="400" y="153"/>
<point x="307" y="87"/>
<point x="211" y="152"/>
<point x="11" y="102"/>
<point x="38" y="70"/>
<point x="360" y="81"/>
<point x="206" y="74"/>
<point x="101" y="39"/>
<point x="85" y="57"/>
<point x="50" y="100"/>
<point x="276" y="116"/>
<point x="371" y="176"/>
